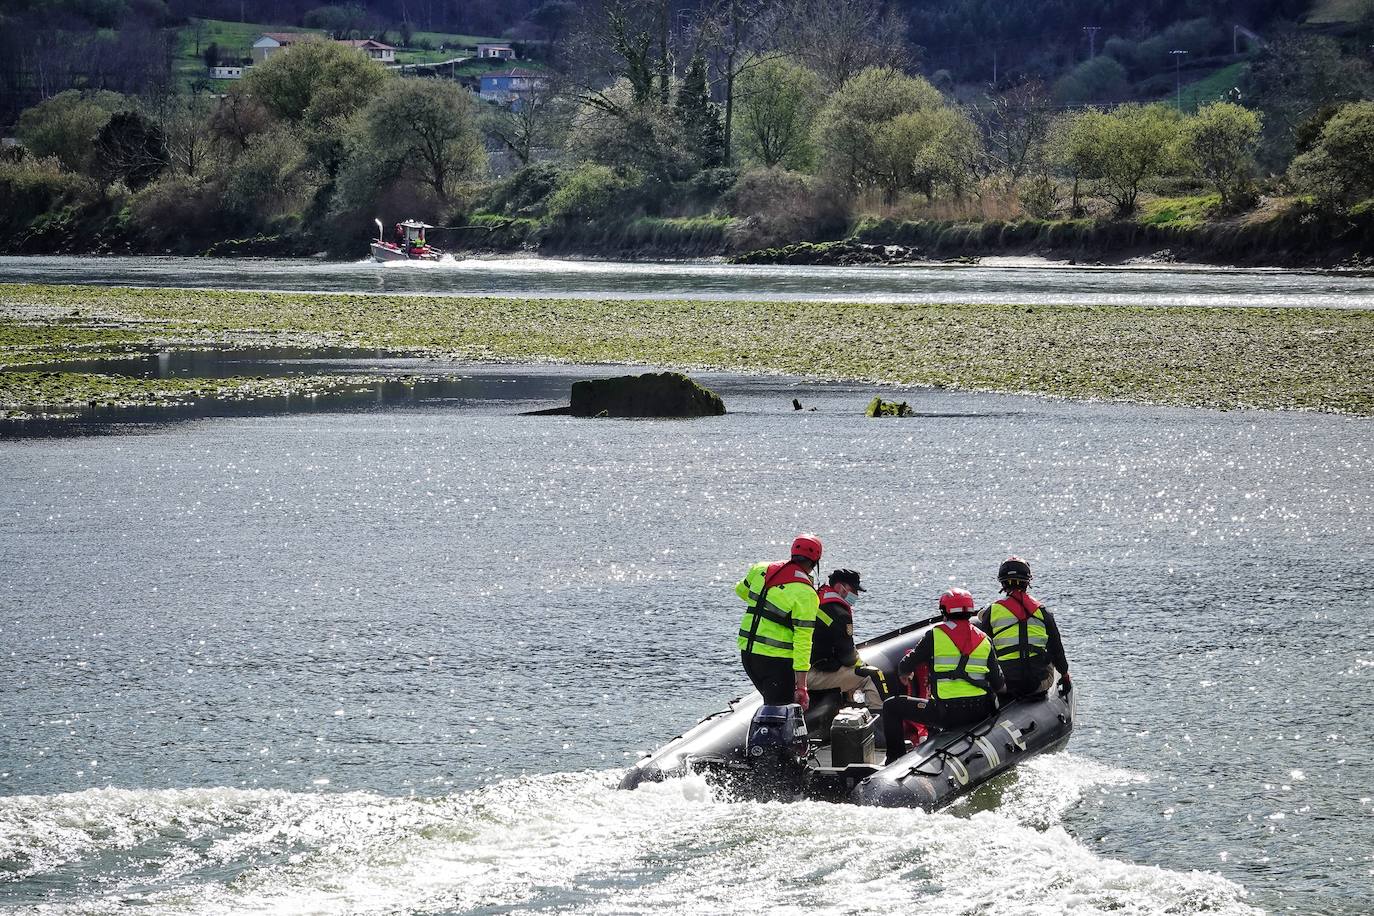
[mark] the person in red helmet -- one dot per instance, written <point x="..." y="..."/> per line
<point x="775" y="633"/>
<point x="835" y="663"/>
<point x="1024" y="635"/>
<point x="963" y="673"/>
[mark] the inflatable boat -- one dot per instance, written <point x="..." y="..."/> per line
<point x="774" y="752"/>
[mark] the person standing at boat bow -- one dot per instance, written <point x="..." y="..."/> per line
<point x="775" y="633"/>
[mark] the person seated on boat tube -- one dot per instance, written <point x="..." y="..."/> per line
<point x="1024" y="635"/>
<point x="834" y="660"/>
<point x="775" y="633"/>
<point x="962" y="670"/>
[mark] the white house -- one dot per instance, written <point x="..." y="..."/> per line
<point x="500" y="52"/>
<point x="374" y="49"/>
<point x="226" y="73"/>
<point x="270" y="43"/>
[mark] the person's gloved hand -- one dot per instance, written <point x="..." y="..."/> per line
<point x="802" y="697"/>
<point x="1065" y="684"/>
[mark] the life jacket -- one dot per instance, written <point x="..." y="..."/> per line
<point x="960" y="665"/>
<point x="916" y="732"/>
<point x="828" y="595"/>
<point x="770" y="623"/>
<point x="834" y="611"/>
<point x="1020" y="635"/>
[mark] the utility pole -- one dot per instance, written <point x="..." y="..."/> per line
<point x="1178" y="78"/>
<point x="1092" y="31"/>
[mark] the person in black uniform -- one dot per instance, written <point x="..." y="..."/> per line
<point x="834" y="660"/>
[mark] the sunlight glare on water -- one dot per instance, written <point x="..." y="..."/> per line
<point x="394" y="660"/>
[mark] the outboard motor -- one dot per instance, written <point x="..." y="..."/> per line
<point x="776" y="750"/>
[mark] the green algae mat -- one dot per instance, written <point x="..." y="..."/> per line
<point x="1289" y="358"/>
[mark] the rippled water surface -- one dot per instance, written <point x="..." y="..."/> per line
<point x="388" y="659"/>
<point x="1028" y="281"/>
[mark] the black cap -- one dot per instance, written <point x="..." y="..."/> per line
<point x="849" y="577"/>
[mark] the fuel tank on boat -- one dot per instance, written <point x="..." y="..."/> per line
<point x="931" y="776"/>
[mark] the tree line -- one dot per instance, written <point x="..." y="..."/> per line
<point x="788" y="119"/>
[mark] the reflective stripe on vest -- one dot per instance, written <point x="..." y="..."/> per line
<point x="955" y="674"/>
<point x="1016" y="639"/>
<point x="768" y="627"/>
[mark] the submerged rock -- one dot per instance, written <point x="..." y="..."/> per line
<point x="880" y="408"/>
<point x="654" y="394"/>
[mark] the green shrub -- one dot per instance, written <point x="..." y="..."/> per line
<point x="589" y="192"/>
<point x="177" y="211"/>
<point x="525" y="193"/>
<point x="32" y="187"/>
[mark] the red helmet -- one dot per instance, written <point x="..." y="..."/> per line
<point x="807" y="545"/>
<point x="957" y="602"/>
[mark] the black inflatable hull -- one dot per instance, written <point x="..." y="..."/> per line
<point x="931" y="776"/>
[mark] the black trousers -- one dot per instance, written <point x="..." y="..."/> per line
<point x="936" y="715"/>
<point x="772" y="677"/>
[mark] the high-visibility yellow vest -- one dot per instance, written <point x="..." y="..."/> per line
<point x="781" y="616"/>
<point x="1019" y="641"/>
<point x="955" y="675"/>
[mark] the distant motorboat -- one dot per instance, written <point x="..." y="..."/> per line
<point x="410" y="244"/>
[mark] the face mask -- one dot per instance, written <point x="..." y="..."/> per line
<point x="852" y="598"/>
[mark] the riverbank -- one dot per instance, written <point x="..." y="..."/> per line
<point x="1222" y="358"/>
<point x="1285" y="233"/>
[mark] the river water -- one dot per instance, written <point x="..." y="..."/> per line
<point x="1025" y="281"/>
<point x="392" y="657"/>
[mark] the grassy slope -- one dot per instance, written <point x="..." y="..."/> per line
<point x="1214" y="86"/>
<point x="1225" y="358"/>
<point x="1325" y="12"/>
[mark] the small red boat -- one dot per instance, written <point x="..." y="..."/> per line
<point x="409" y="244"/>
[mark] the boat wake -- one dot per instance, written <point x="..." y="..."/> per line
<point x="572" y="842"/>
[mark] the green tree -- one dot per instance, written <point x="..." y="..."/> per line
<point x="420" y="132"/>
<point x="1339" y="169"/>
<point x="698" y="116"/>
<point x="1073" y="151"/>
<point x="66" y="126"/>
<point x="924" y="149"/>
<point x="779" y="100"/>
<point x="614" y="131"/>
<point x="587" y="193"/>
<point x="315" y="86"/>
<point x="847" y="129"/>
<point x="1219" y="144"/>
<point x="1121" y="151"/>
<point x="273" y="177"/>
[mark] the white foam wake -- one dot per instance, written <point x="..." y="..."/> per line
<point x="572" y="842"/>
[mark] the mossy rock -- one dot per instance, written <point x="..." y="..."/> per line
<point x="654" y="394"/>
<point x="880" y="408"/>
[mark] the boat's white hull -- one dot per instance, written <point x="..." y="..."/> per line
<point x="384" y="252"/>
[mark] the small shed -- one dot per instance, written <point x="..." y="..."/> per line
<point x="495" y="51"/>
